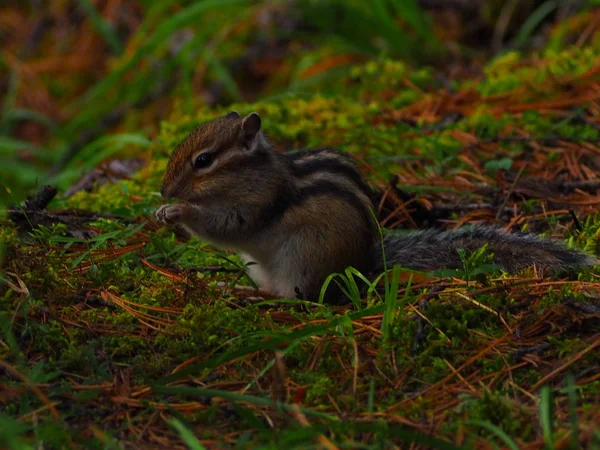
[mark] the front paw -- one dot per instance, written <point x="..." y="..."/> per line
<point x="170" y="213"/>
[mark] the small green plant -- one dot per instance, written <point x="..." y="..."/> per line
<point x="474" y="265"/>
<point x="349" y="286"/>
<point x="391" y="302"/>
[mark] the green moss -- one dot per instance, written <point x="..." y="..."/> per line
<point x="216" y="320"/>
<point x="388" y="75"/>
<point x="8" y="234"/>
<point x="509" y="71"/>
<point x="320" y="387"/>
<point x="127" y="198"/>
<point x="497" y="409"/>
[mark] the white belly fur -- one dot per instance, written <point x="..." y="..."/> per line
<point x="258" y="273"/>
<point x="276" y="278"/>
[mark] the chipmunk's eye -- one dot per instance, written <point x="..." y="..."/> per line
<point x="204" y="160"/>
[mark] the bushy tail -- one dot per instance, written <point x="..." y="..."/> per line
<point x="430" y="249"/>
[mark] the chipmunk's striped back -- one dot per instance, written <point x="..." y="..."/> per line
<point x="325" y="163"/>
<point x="327" y="171"/>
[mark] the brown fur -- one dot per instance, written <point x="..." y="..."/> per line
<point x="221" y="135"/>
<point x="303" y="216"/>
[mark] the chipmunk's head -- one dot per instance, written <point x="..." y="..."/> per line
<point x="216" y="159"/>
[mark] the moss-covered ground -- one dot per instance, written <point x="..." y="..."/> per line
<point x="123" y="335"/>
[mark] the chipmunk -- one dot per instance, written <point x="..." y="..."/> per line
<point x="300" y="217"/>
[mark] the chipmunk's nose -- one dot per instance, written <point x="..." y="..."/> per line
<point x="170" y="191"/>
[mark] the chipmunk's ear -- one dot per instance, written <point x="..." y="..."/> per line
<point x="233" y="115"/>
<point x="251" y="135"/>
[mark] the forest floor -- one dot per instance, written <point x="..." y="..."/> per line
<point x="119" y="333"/>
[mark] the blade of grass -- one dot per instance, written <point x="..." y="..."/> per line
<point x="223" y="74"/>
<point x="352" y="286"/>
<point x="415" y="16"/>
<point x="96" y="152"/>
<point x="391" y="301"/>
<point x="371" y="398"/>
<point x="547" y="416"/>
<point x="16" y="114"/>
<point x="13" y="432"/>
<point x="102" y="27"/>
<point x="326" y="284"/>
<point x="499" y="432"/>
<point x="241" y="398"/>
<point x="268" y="366"/>
<point x="179" y="20"/>
<point x="571" y="390"/>
<point x="533" y="21"/>
<point x="104" y="147"/>
<point x="10" y="145"/>
<point x="188" y="437"/>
